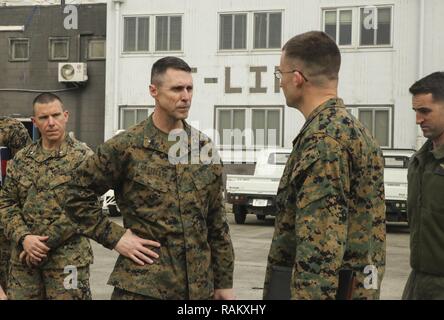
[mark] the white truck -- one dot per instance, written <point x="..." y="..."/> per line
<point x="256" y="193"/>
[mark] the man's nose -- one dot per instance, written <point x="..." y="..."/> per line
<point x="419" y="118"/>
<point x="186" y="95"/>
<point x="51" y="121"/>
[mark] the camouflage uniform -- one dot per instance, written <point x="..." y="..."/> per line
<point x="14" y="136"/>
<point x="32" y="202"/>
<point x="331" y="207"/>
<point x="178" y="205"/>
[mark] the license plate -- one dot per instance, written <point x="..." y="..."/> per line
<point x="260" y="203"/>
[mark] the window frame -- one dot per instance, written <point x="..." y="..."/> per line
<point x="233" y="14"/>
<point x="169" y="16"/>
<point x="95" y="39"/>
<point x="354" y="110"/>
<point x="250" y="32"/>
<point x="338" y="27"/>
<point x="51" y="41"/>
<point x="356" y="26"/>
<point x="152" y="35"/>
<point x="123" y="108"/>
<point x="12" y="49"/>
<point x="370" y="46"/>
<point x="248" y="126"/>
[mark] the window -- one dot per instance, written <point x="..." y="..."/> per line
<point x="376" y="26"/>
<point x="168" y="33"/>
<point x="249" y="126"/>
<point x="136" y="34"/>
<point x="377" y="119"/>
<point x="19" y="49"/>
<point x="130" y="116"/>
<point x="338" y="25"/>
<point x="96" y="49"/>
<point x="278" y="158"/>
<point x="267" y="30"/>
<point x="59" y="49"/>
<point x="233" y="31"/>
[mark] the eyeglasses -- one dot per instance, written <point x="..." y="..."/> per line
<point x="278" y="74"/>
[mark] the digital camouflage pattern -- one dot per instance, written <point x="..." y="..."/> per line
<point x="178" y="205"/>
<point x="331" y="207"/>
<point x="36" y="284"/>
<point x="14" y="136"/>
<point x="32" y="202"/>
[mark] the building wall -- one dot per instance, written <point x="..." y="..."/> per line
<point x="368" y="77"/>
<point x="86" y="105"/>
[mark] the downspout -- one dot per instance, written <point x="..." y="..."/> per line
<point x="116" y="64"/>
<point x="419" y="135"/>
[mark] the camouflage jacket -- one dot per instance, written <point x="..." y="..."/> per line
<point x="178" y="205"/>
<point x="33" y="198"/>
<point x="331" y="208"/>
<point x="13" y="135"/>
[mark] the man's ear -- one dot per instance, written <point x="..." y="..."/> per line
<point x="153" y="90"/>
<point x="298" y="80"/>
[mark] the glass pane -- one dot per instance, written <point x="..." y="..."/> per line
<point x="239" y="123"/>
<point x="240" y="31"/>
<point x="345" y="27"/>
<point x="260" y="30"/>
<point x="224" y="127"/>
<point x="129" y="40"/>
<point x="141" y="115"/>
<point x="274" y="40"/>
<point x="367" y="30"/>
<point x="258" y="127"/>
<point x="382" y="127"/>
<point x="175" y="33"/>
<point x="273" y="132"/>
<point x="97" y="49"/>
<point x="128" y="118"/>
<point x="161" y="33"/>
<point x="226" y="31"/>
<point x="330" y="24"/>
<point x="60" y="50"/>
<point x="366" y="117"/>
<point x="20" y="49"/>
<point x="384" y="24"/>
<point x="143" y="34"/>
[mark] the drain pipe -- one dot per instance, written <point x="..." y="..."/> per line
<point x="419" y="136"/>
<point x="115" y="104"/>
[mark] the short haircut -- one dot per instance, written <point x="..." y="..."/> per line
<point x="317" y="51"/>
<point x="46" y="97"/>
<point x="433" y="83"/>
<point x="162" y="65"/>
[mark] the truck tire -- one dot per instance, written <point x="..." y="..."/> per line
<point x="240" y="214"/>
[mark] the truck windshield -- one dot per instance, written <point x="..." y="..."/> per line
<point x="278" y="158"/>
<point x="396" y="162"/>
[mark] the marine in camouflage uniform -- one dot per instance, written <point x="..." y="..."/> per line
<point x="14" y="136"/>
<point x="331" y="207"/>
<point x="178" y="205"/>
<point x="32" y="202"/>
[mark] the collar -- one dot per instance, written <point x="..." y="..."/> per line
<point x="37" y="152"/>
<point x="331" y="103"/>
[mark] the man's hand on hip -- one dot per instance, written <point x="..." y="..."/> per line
<point x="134" y="247"/>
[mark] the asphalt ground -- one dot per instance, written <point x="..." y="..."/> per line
<point x="251" y="243"/>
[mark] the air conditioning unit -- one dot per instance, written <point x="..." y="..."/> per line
<point x="72" y="72"/>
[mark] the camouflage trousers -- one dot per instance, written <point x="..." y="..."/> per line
<point x="120" y="294"/>
<point x="5" y="254"/>
<point x="423" y="286"/>
<point x="25" y="283"/>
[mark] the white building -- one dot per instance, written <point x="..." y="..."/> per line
<point x="235" y="47"/>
